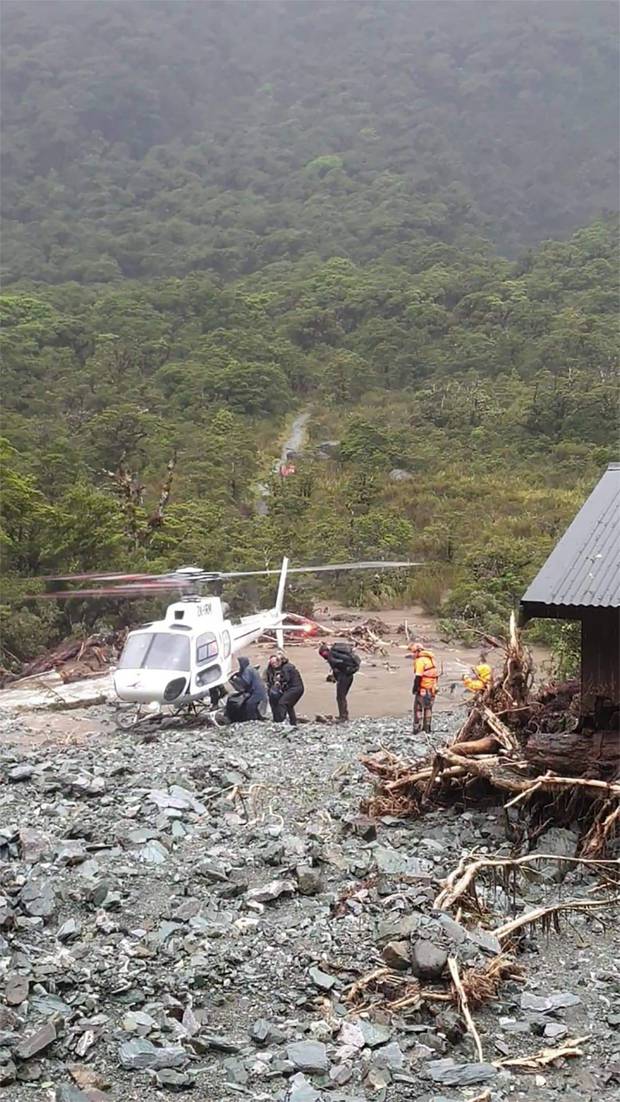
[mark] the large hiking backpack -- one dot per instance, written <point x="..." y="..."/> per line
<point x="345" y="657"/>
<point x="235" y="707"/>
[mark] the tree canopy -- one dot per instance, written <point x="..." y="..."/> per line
<point x="397" y="216"/>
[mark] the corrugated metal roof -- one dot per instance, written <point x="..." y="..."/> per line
<point x="584" y="567"/>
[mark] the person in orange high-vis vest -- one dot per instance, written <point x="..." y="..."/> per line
<point x="425" y="678"/>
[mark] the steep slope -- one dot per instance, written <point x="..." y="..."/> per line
<point x="156" y="139"/>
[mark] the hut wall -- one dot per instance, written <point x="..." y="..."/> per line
<point x="600" y="657"/>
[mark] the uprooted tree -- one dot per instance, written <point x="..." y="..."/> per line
<point x="530" y="746"/>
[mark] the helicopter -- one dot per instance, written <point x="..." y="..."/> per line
<point x="181" y="663"/>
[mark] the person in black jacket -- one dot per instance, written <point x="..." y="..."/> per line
<point x="344" y="664"/>
<point x="291" y="691"/>
<point x="272" y="680"/>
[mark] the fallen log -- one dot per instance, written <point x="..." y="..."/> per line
<point x="575" y="753"/>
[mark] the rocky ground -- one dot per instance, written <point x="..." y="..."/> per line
<point x="188" y="909"/>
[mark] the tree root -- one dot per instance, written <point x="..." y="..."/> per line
<point x="463" y="878"/>
<point x="543" y="914"/>
<point x="463" y="1003"/>
<point x="544" y="1056"/>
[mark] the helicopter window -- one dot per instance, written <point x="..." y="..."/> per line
<point x="155" y="651"/>
<point x="206" y="647"/>
<point x="134" y="651"/>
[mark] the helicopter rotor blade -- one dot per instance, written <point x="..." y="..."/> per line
<point x="186" y="578"/>
<point x="138" y="589"/>
<point x="333" y="567"/>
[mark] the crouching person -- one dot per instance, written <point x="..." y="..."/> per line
<point x="252" y="683"/>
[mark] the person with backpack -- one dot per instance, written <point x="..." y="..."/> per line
<point x="344" y="664"/>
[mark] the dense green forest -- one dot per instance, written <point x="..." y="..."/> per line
<point x="218" y="214"/>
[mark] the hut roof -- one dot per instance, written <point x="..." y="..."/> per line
<point x="583" y="570"/>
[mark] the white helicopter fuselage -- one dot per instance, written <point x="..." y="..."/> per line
<point x="182" y="657"/>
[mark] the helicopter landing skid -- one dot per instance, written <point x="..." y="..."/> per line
<point x="131" y="716"/>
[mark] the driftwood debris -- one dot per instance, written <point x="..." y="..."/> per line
<point x="521" y="745"/>
<point x="73" y="659"/>
<point x="463" y="1002"/>
<point x="544" y="1056"/>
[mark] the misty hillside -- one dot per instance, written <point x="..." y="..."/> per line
<point x="150" y="139"/>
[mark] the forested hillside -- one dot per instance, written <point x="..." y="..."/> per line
<point x="160" y="138"/>
<point x="219" y="214"/>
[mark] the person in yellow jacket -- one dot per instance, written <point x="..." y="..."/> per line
<point x="425" y="678"/>
<point x="482" y="676"/>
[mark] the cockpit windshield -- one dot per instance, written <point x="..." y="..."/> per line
<point x="156" y="650"/>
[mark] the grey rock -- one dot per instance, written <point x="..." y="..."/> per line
<point x="153" y="853"/>
<point x="264" y="1032"/>
<point x="321" y="979"/>
<point x="308" y="880"/>
<point x="308" y="1056"/>
<point x="38" y="898"/>
<point x="136" y="1021"/>
<point x="19" y="773"/>
<point x="427" y="960"/>
<point x="396" y="929"/>
<point x="453" y="930"/>
<point x="328" y="449"/>
<point x="8" y="1073"/>
<point x="390" y="1056"/>
<point x="450" y="1074"/>
<point x="374" y="1033"/>
<point x="34" y="845"/>
<point x="212" y="871"/>
<point x="66" y="1092"/>
<point x="271" y="891"/>
<point x="396" y="955"/>
<point x="37" y="1041"/>
<point x="555" y="1030"/>
<point x="189" y="909"/>
<point x="16" y="989"/>
<point x="87" y="786"/>
<point x="511" y="1025"/>
<point x="172" y="1080"/>
<point x="341" y="1074"/>
<point x="547" y="1003"/>
<point x="392" y="862"/>
<point x="69" y="929"/>
<point x="400" y="475"/>
<point x="235" y="1070"/>
<point x="300" y="1090"/>
<point x="218" y="1042"/>
<point x="70" y="852"/>
<point x="139" y="1054"/>
<point x="50" y="1004"/>
<point x="561" y="843"/>
<point x="484" y="940"/>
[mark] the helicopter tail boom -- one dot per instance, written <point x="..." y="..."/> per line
<point x="279" y="605"/>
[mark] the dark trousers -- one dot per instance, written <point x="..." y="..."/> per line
<point x="252" y="705"/>
<point x="422" y="711"/>
<point x="285" y="706"/>
<point x="343" y="684"/>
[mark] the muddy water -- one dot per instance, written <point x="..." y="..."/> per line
<point x="383" y="685"/>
